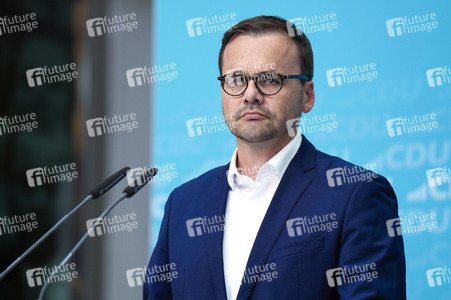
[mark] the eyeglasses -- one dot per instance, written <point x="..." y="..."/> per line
<point x="267" y="83"/>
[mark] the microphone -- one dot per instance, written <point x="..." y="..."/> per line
<point x="128" y="192"/>
<point x="108" y="183"/>
<point x="96" y="192"/>
<point x="140" y="182"/>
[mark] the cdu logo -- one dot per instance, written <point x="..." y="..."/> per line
<point x="435" y="77"/>
<point x="335" y="177"/>
<point x="95" y="127"/>
<point x="35" y="177"/>
<point x="35" y="77"/>
<point x="135" y="277"/>
<point x="95" y="27"/>
<point x="394" y="227"/>
<point x="395" y="27"/>
<point x="335" y="77"/>
<point x="195" y="26"/>
<point x="35" y="277"/>
<point x="195" y="127"/>
<point x="96" y="230"/>
<point x="395" y="127"/>
<point x="334" y="277"/>
<point x="135" y="77"/>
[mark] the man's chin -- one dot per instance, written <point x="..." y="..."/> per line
<point x="254" y="137"/>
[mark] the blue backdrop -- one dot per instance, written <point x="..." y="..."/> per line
<point x="383" y="92"/>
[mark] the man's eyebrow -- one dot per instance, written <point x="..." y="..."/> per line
<point x="265" y="72"/>
<point x="235" y="71"/>
<point x="242" y="71"/>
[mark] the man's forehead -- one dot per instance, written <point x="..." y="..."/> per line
<point x="266" y="52"/>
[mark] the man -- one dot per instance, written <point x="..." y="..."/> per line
<point x="282" y="220"/>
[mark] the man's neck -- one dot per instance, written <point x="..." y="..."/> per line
<point x="252" y="156"/>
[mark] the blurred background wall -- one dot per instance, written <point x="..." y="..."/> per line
<point x="403" y="49"/>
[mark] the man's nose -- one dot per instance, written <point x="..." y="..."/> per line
<point x="252" y="94"/>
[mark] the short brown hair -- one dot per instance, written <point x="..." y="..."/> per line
<point x="270" y="24"/>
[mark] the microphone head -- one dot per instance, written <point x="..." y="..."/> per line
<point x="108" y="183"/>
<point x="139" y="182"/>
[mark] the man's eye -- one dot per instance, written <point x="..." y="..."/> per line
<point x="271" y="79"/>
<point x="235" y="80"/>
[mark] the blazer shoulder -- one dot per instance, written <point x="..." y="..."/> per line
<point x="204" y="180"/>
<point x="327" y="163"/>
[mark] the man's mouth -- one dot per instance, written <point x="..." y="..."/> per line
<point x="252" y="115"/>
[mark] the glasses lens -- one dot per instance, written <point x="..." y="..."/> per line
<point x="269" y="82"/>
<point x="234" y="83"/>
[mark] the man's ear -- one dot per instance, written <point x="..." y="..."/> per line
<point x="308" y="94"/>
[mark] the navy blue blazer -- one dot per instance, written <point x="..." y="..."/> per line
<point x="324" y="236"/>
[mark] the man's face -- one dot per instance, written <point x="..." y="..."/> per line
<point x="257" y="117"/>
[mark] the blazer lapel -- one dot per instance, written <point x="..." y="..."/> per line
<point x="290" y="189"/>
<point x="216" y="199"/>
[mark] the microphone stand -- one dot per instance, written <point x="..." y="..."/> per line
<point x="38" y="242"/>
<point x="105" y="212"/>
<point x="128" y="192"/>
<point x="95" y="193"/>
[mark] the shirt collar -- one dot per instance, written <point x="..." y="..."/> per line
<point x="276" y="166"/>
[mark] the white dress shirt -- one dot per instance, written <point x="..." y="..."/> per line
<point x="247" y="203"/>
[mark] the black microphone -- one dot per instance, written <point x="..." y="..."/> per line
<point x="98" y="191"/>
<point x="128" y="192"/>
<point x="108" y="183"/>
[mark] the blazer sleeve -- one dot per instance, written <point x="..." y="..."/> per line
<point x="160" y="256"/>
<point x="365" y="240"/>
